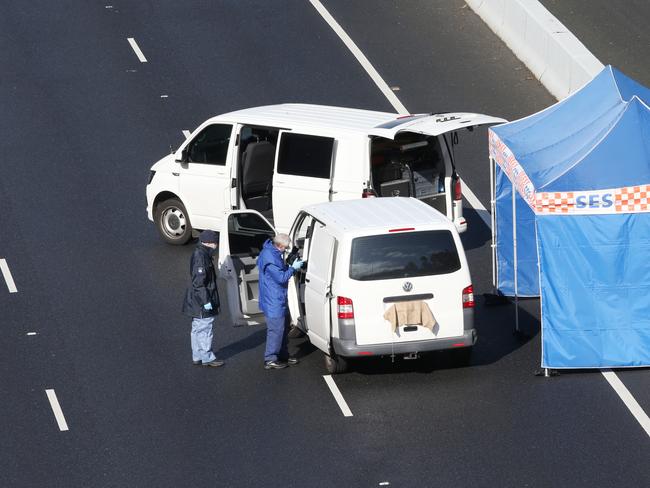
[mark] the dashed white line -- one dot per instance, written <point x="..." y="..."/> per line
<point x="137" y="50"/>
<point x="629" y="401"/>
<point x="186" y="133"/>
<point x="337" y="396"/>
<point x="7" y="275"/>
<point x="32" y="333"/>
<point x="56" y="409"/>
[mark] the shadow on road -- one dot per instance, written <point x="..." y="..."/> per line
<point x="496" y="339"/>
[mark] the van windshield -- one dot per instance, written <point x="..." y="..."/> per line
<point x="404" y="255"/>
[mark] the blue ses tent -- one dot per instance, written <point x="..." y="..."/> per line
<point x="571" y="221"/>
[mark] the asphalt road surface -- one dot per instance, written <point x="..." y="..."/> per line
<point x="96" y="312"/>
<point x="615" y="32"/>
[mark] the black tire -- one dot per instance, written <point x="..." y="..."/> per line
<point x="172" y="222"/>
<point x="462" y="356"/>
<point x="335" y="364"/>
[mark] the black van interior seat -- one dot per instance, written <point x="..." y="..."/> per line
<point x="257" y="169"/>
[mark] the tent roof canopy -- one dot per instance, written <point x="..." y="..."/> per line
<point x="599" y="137"/>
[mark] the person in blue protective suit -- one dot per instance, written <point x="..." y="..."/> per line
<point x="274" y="276"/>
<point x="202" y="300"/>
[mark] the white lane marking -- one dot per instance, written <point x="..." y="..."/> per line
<point x="8" y="278"/>
<point x="337" y="396"/>
<point x="356" y="52"/>
<point x="476" y="204"/>
<point x="186" y="133"/>
<point x="137" y="50"/>
<point x="56" y="409"/>
<point x="389" y="93"/>
<point x="164" y="96"/>
<point x="629" y="401"/>
<point x="32" y="333"/>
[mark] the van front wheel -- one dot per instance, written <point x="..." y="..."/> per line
<point x="173" y="222"/>
<point x="335" y="364"/>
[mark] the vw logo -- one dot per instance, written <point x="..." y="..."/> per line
<point x="407" y="286"/>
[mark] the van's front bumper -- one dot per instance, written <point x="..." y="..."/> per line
<point x="349" y="347"/>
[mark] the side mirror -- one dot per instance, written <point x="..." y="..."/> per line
<point x="184" y="158"/>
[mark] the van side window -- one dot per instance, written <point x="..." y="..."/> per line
<point x="303" y="155"/>
<point x="302" y="236"/>
<point x="210" y="146"/>
<point x="247" y="233"/>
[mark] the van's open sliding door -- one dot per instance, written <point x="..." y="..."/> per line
<point x="303" y="169"/>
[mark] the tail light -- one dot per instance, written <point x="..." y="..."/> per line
<point x="368" y="193"/>
<point x="458" y="190"/>
<point x="345" y="309"/>
<point x="468" y="297"/>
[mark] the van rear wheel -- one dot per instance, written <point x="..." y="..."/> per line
<point x="172" y="222"/>
<point x="335" y="364"/>
<point x="462" y="356"/>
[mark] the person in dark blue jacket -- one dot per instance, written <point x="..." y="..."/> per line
<point x="273" y="283"/>
<point x="202" y="300"/>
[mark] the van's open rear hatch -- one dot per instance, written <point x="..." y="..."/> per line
<point x="432" y="124"/>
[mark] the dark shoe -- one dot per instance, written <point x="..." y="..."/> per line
<point x="292" y="361"/>
<point x="196" y="363"/>
<point x="215" y="363"/>
<point x="274" y="365"/>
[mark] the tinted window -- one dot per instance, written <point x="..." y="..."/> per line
<point x="301" y="237"/>
<point x="403" y="255"/>
<point x="210" y="146"/>
<point x="303" y="155"/>
<point x="247" y="233"/>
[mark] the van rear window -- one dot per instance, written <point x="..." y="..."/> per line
<point x="403" y="255"/>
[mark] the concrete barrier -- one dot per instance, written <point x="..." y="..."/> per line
<point x="553" y="54"/>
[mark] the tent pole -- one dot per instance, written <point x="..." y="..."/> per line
<point x="514" y="242"/>
<point x="493" y="224"/>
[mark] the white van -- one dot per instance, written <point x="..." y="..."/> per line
<point x="362" y="258"/>
<point x="277" y="158"/>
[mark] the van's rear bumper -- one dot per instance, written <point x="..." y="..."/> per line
<point x="349" y="348"/>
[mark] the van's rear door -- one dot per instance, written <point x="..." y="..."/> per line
<point x="241" y="238"/>
<point x="303" y="169"/>
<point x="432" y="125"/>
<point x="393" y="268"/>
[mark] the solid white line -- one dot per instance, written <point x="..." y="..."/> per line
<point x="186" y="133"/>
<point x="56" y="409"/>
<point x="337" y="396"/>
<point x="625" y="395"/>
<point x="390" y="95"/>
<point x="8" y="278"/>
<point x="137" y="50"/>
<point x="356" y="52"/>
<point x="476" y="204"/>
